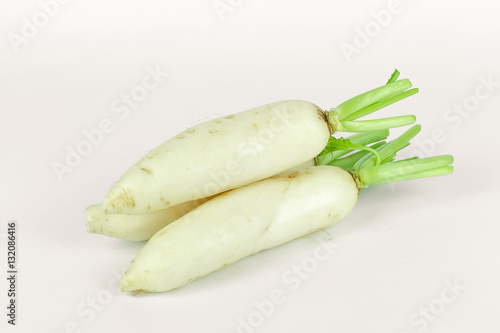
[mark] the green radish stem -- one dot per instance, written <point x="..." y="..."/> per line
<point x="380" y="104"/>
<point x="404" y="170"/>
<point x="394" y="76"/>
<point x="342" y="117"/>
<point x="366" y="171"/>
<point x="389" y="148"/>
<point x="406" y="159"/>
<point x="377" y="124"/>
<point x="347" y="163"/>
<point x="361" y="139"/>
<point x="368" y="98"/>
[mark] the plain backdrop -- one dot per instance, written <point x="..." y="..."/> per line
<point x="419" y="256"/>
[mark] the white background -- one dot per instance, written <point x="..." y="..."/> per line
<point x="394" y="253"/>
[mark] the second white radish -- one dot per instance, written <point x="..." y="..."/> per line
<point x="240" y="223"/>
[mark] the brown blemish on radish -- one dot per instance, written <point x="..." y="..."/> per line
<point x="292" y="175"/>
<point x="356" y="181"/>
<point x="152" y="154"/>
<point x="165" y="203"/>
<point x="322" y="116"/>
<point x="147" y="170"/>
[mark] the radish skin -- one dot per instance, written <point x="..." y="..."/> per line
<point x="224" y="153"/>
<point x="139" y="227"/>
<point x="229" y="227"/>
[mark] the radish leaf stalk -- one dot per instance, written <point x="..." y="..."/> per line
<point x="347" y="163"/>
<point x="341" y="118"/>
<point x="381" y="104"/>
<point x="405" y="170"/>
<point x="367" y="172"/>
<point x="394" y="76"/>
<point x="389" y="148"/>
<point x="332" y="150"/>
<point x="342" y="144"/>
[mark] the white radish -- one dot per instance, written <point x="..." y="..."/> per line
<point x="239" y="149"/>
<point x="138" y="227"/>
<point x="265" y="214"/>
<point x="219" y="155"/>
<point x="239" y="223"/>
